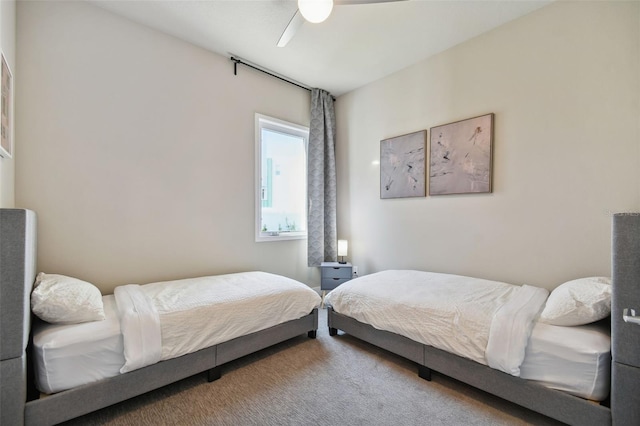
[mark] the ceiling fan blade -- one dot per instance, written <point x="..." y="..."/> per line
<point x="342" y="2"/>
<point x="296" y="21"/>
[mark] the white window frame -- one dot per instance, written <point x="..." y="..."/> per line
<point x="265" y="122"/>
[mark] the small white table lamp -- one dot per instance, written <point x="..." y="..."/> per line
<point x="343" y="247"/>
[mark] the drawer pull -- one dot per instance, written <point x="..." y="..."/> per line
<point x="629" y="316"/>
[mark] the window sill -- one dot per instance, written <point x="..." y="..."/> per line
<point x="280" y="236"/>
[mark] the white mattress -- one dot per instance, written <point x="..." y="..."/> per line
<point x="486" y="321"/>
<point x="576" y="360"/>
<point x="572" y="359"/>
<point x="69" y="355"/>
<point x="168" y="319"/>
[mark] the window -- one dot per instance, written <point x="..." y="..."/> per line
<point x="281" y="179"/>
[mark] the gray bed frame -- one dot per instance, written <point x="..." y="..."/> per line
<point x="17" y="274"/>
<point x="624" y="406"/>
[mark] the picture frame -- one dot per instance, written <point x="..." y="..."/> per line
<point x="461" y="156"/>
<point x="402" y="166"/>
<point x="6" y="109"/>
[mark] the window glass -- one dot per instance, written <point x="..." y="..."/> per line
<point x="281" y="184"/>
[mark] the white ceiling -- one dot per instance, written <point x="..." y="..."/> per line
<point x="356" y="45"/>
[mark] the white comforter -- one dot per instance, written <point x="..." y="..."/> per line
<point x="168" y="319"/>
<point x="487" y="321"/>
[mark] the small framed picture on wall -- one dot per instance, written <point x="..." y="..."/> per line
<point x="402" y="166"/>
<point x="6" y="110"/>
<point x="461" y="156"/>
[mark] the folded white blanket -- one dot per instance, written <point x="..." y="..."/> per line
<point x="140" y="327"/>
<point x="168" y="319"/>
<point x="487" y="321"/>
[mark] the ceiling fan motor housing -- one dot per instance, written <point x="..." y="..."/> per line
<point x="315" y="11"/>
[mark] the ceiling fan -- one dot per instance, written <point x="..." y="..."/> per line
<point x="316" y="11"/>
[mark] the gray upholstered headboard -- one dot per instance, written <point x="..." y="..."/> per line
<point x="625" y="334"/>
<point x="17" y="274"/>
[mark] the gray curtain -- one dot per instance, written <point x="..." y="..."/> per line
<point x="321" y="227"/>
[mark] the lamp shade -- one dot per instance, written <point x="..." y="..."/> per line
<point x="315" y="11"/>
<point x="343" y="247"/>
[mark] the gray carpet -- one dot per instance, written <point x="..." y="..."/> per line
<point x="325" y="381"/>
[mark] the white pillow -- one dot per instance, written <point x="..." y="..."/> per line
<point x="64" y="300"/>
<point x="578" y="302"/>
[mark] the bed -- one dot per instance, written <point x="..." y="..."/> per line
<point x="139" y="339"/>
<point x="538" y="357"/>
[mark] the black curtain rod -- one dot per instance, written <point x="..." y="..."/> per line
<point x="237" y="61"/>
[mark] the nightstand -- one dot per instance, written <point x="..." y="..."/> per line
<point x="332" y="274"/>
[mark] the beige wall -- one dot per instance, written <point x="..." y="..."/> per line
<point x="8" y="45"/>
<point x="137" y="151"/>
<point x="563" y="83"/>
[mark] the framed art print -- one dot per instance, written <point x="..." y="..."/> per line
<point x="460" y="157"/>
<point x="6" y="110"/>
<point x="402" y="166"/>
